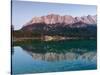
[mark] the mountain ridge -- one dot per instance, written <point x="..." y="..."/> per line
<point x="66" y="19"/>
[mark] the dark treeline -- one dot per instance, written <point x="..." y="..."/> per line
<point x="42" y="30"/>
<point x="21" y="33"/>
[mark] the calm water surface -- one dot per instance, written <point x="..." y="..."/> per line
<point x="37" y="56"/>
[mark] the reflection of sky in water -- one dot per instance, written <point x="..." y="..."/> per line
<point x="34" y="56"/>
<point x="25" y="61"/>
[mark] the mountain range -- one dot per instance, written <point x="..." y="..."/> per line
<point x="66" y="19"/>
<point x="55" y="21"/>
<point x="53" y="24"/>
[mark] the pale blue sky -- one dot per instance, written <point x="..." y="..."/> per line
<point x="23" y="11"/>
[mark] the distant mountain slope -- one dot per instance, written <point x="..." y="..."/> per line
<point x="67" y="19"/>
<point x="55" y="25"/>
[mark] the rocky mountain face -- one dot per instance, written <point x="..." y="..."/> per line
<point x="52" y="24"/>
<point x="66" y="20"/>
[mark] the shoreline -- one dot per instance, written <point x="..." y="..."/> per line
<point x="49" y="38"/>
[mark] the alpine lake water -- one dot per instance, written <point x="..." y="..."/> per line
<point x="34" y="56"/>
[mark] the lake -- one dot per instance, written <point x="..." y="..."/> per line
<point x="34" y="56"/>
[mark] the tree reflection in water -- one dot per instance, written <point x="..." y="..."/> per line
<point x="60" y="50"/>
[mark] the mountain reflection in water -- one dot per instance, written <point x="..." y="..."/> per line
<point x="70" y="56"/>
<point x="62" y="50"/>
<point x="33" y="56"/>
